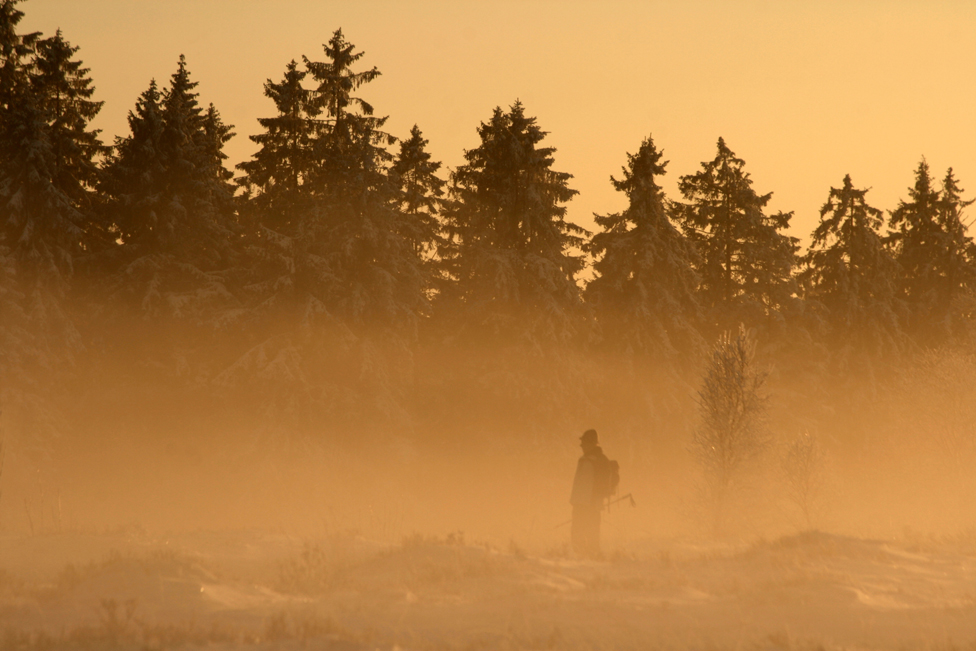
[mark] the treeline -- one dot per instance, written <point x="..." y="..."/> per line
<point x="340" y="285"/>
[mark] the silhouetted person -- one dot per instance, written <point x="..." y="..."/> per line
<point x="590" y="486"/>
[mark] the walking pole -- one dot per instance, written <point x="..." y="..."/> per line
<point x="628" y="496"/>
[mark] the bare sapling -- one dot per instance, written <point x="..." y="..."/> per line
<point x="732" y="427"/>
<point x="803" y="467"/>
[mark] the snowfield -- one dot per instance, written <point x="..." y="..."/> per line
<point x="262" y="590"/>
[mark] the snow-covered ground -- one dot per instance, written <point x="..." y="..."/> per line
<point x="232" y="589"/>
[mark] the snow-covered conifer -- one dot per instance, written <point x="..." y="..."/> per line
<point x="170" y="203"/>
<point x="932" y="248"/>
<point x="746" y="258"/>
<point x="219" y="179"/>
<point x="39" y="220"/>
<point x="279" y="170"/>
<point x="915" y="239"/>
<point x="420" y="194"/>
<point x="644" y="289"/>
<point x="41" y="236"/>
<point x="66" y="91"/>
<point x="849" y="271"/>
<point x="354" y="234"/>
<point x="957" y="263"/>
<point x="514" y="255"/>
<point x="15" y="50"/>
<point x="339" y="281"/>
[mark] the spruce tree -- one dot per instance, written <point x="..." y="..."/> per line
<point x="15" y="51"/>
<point x="334" y="255"/>
<point x="134" y="174"/>
<point x="643" y="292"/>
<point x="277" y="199"/>
<point x="219" y="179"/>
<point x="851" y="274"/>
<point x="916" y="239"/>
<point x="931" y="245"/>
<point x="42" y="235"/>
<point x="39" y="220"/>
<point x="746" y="259"/>
<point x="66" y="90"/>
<point x="419" y="196"/>
<point x="192" y="173"/>
<point x="510" y="318"/>
<point x="348" y="150"/>
<point x="172" y="165"/>
<point x="170" y="203"/>
<point x="956" y="301"/>
<point x="278" y="172"/>
<point x="357" y="256"/>
<point x="514" y="255"/>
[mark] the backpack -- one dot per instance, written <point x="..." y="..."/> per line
<point x="606" y="477"/>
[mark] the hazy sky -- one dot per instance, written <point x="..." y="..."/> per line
<point x="805" y="92"/>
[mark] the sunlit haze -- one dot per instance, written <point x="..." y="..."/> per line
<point x="354" y="385"/>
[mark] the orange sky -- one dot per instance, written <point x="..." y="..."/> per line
<point x="805" y="92"/>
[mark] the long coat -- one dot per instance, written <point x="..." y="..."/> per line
<point x="584" y="483"/>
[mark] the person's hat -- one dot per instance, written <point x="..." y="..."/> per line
<point x="589" y="436"/>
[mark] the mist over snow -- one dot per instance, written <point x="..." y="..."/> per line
<point x="340" y="392"/>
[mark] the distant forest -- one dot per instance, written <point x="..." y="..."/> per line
<point x="341" y="287"/>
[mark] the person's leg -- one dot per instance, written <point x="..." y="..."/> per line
<point x="579" y="530"/>
<point x="595" y="532"/>
<point x="586" y="531"/>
